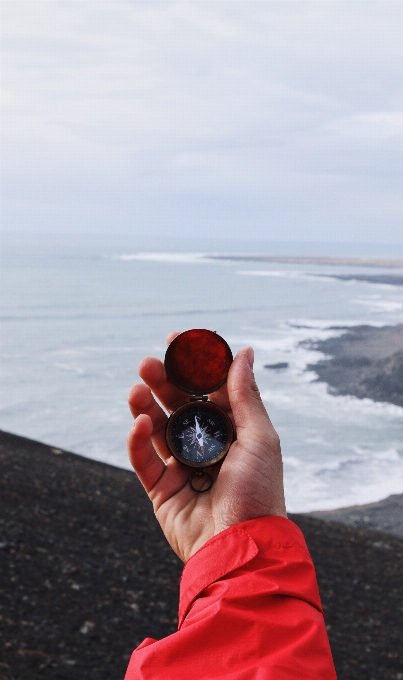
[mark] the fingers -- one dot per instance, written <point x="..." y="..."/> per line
<point x="247" y="407"/>
<point x="172" y="336"/>
<point x="221" y="398"/>
<point x="146" y="462"/>
<point x="174" y="480"/>
<point x="257" y="452"/>
<point x="161" y="481"/>
<point x="142" y="401"/>
<point x="153" y="373"/>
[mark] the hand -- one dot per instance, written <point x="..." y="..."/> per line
<point x="247" y="484"/>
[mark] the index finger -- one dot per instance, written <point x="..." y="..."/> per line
<point x="152" y="372"/>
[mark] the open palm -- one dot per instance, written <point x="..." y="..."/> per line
<point x="247" y="484"/>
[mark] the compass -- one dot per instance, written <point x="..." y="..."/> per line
<point x="199" y="433"/>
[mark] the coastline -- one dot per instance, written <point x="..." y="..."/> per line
<point x="385" y="515"/>
<point x="365" y="361"/>
<point x="87" y="573"/>
<point x="339" y="261"/>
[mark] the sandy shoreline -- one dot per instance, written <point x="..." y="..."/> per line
<point x="87" y="573"/>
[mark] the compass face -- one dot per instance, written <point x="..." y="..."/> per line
<point x="199" y="434"/>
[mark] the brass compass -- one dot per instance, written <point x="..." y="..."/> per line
<point x="199" y="433"/>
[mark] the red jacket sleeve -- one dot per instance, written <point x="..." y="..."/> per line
<point x="249" y="610"/>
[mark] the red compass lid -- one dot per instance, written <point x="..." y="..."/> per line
<point x="198" y="361"/>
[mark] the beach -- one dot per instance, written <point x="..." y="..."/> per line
<point x="87" y="573"/>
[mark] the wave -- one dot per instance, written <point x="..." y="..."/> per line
<point x="132" y="315"/>
<point x="391" y="455"/>
<point x="275" y="273"/>
<point x="338" y="450"/>
<point x="330" y="407"/>
<point x="180" y="258"/>
<point x="287" y="341"/>
<point x="378" y="305"/>
<point x="352" y="480"/>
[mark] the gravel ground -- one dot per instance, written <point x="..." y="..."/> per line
<point x="87" y="574"/>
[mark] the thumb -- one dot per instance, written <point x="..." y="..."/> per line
<point x="246" y="403"/>
<point x="257" y="451"/>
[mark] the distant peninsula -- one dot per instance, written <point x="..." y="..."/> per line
<point x="340" y="261"/>
<point x="389" y="279"/>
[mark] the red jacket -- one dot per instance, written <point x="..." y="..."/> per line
<point x="249" y="610"/>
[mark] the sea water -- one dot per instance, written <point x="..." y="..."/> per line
<point x="79" y="313"/>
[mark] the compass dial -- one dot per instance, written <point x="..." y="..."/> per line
<point x="199" y="434"/>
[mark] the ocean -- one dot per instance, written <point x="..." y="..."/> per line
<point x="79" y="312"/>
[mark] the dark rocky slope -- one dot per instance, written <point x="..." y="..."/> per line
<point x="86" y="574"/>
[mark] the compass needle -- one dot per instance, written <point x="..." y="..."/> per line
<point x="199" y="435"/>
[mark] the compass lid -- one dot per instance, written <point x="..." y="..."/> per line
<point x="197" y="361"/>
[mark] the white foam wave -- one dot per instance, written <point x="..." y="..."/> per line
<point x="318" y="440"/>
<point x="179" y="258"/>
<point x="376" y="304"/>
<point x="341" y="467"/>
<point x="287" y="342"/>
<point x="332" y="324"/>
<point x="285" y="345"/>
<point x="351" y="480"/>
<point x="330" y="407"/>
<point x="292" y="461"/>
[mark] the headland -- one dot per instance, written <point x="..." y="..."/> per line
<point x="364" y="361"/>
<point x="339" y="261"/>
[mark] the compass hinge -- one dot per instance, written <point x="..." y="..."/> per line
<point x="198" y="397"/>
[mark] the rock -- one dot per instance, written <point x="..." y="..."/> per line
<point x="281" y="364"/>
<point x="365" y="361"/>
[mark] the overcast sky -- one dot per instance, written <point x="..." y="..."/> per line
<point x="278" y="120"/>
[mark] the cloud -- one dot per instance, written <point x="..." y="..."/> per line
<point x="369" y="126"/>
<point x="270" y="111"/>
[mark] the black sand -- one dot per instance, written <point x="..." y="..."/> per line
<point x="87" y="574"/>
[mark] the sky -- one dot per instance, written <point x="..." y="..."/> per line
<point x="236" y="119"/>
